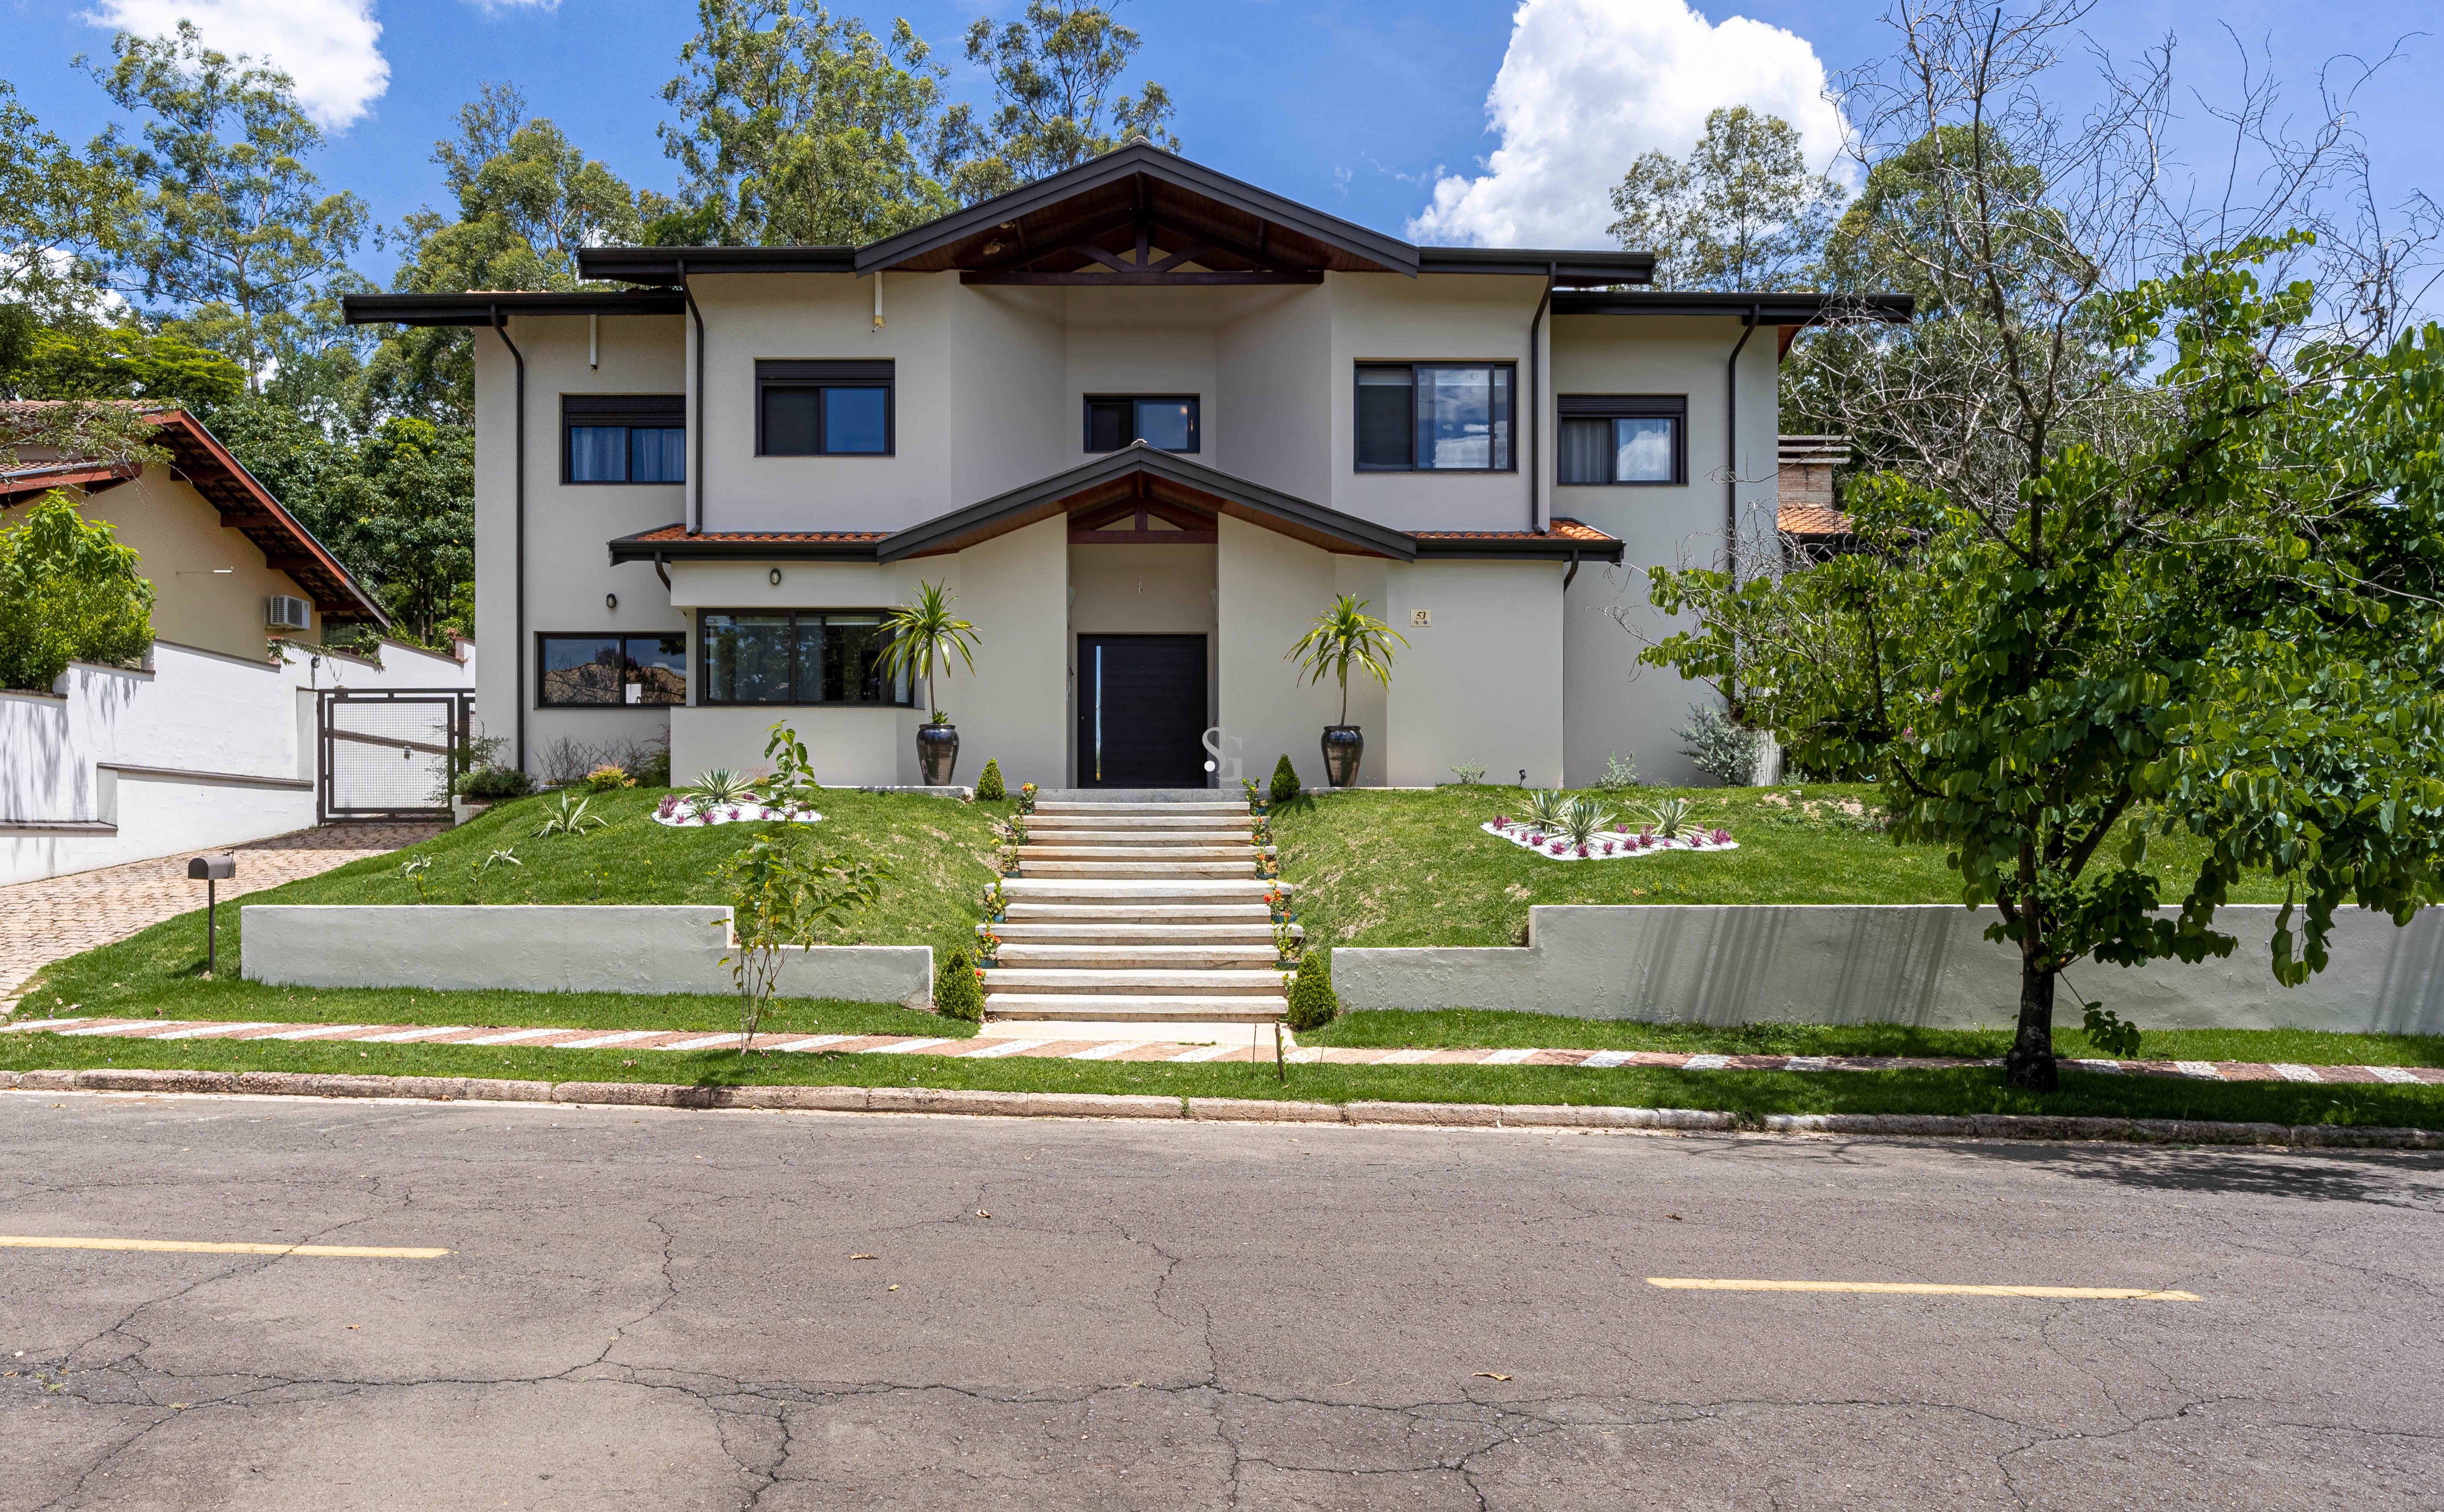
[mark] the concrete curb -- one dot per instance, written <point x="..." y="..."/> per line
<point x="1232" y="1110"/>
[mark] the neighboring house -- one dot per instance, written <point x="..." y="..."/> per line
<point x="214" y="740"/>
<point x="1812" y="523"/>
<point x="1145" y="421"/>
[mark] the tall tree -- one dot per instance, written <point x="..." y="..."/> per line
<point x="62" y="216"/>
<point x="798" y="126"/>
<point x="1743" y="212"/>
<point x="1055" y="72"/>
<point x="233" y="225"/>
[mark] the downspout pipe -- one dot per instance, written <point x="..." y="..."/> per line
<point x="1731" y="448"/>
<point x="501" y="328"/>
<point x="1536" y="518"/>
<point x="696" y="421"/>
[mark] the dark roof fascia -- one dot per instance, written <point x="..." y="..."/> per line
<point x="192" y="448"/>
<point x="480" y="309"/>
<point x="1527" y="262"/>
<point x="1396" y="254"/>
<point x="1363" y="535"/>
<point x="1521" y="548"/>
<point x="1769" y="309"/>
<point x="713" y="547"/>
<point x="661" y="264"/>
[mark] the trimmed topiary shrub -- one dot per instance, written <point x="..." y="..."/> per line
<point x="496" y="783"/>
<point x="989" y="787"/>
<point x="1313" y="1003"/>
<point x="957" y="994"/>
<point x="1286" y="783"/>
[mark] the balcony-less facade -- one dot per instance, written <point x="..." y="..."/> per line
<point x="1144" y="421"/>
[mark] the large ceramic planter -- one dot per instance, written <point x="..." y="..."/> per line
<point x="937" y="753"/>
<point x="1343" y="745"/>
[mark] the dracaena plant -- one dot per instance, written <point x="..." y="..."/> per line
<point x="1344" y="638"/>
<point x="924" y="635"/>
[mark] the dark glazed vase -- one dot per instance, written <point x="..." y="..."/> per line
<point x="1343" y="745"/>
<point x="937" y="753"/>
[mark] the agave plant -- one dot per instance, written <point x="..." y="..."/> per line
<point x="722" y="785"/>
<point x="569" y="819"/>
<point x="1670" y="817"/>
<point x="1584" y="820"/>
<point x="1545" y="807"/>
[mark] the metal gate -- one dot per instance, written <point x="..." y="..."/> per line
<point x="389" y="754"/>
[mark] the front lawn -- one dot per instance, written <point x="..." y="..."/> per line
<point x="1404" y="868"/>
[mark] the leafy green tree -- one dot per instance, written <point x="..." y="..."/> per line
<point x="406" y="513"/>
<point x="1055" y="72"/>
<point x="62" y="218"/>
<point x="798" y="126"/>
<point x="69" y="592"/>
<point x="1744" y="212"/>
<point x="232" y="226"/>
<point x="79" y="361"/>
<point x="2228" y="628"/>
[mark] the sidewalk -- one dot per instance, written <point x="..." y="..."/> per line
<point x="46" y="921"/>
<point x="1232" y="1050"/>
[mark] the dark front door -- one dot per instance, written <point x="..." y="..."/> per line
<point x="1141" y="711"/>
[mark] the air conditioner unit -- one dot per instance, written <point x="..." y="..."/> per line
<point x="281" y="612"/>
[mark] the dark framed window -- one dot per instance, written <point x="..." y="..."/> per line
<point x="1622" y="438"/>
<point x="795" y="656"/>
<point x="1435" y="417"/>
<point x="607" y="671"/>
<point x="1167" y="422"/>
<point x="825" y="409"/>
<point x="624" y="439"/>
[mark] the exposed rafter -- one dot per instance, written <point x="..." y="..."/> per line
<point x="1154" y="265"/>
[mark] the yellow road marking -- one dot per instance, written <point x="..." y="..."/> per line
<point x="1923" y="1288"/>
<point x="189" y="1246"/>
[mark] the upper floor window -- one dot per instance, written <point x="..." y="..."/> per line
<point x="576" y="671"/>
<point x="1622" y="438"/>
<point x="1433" y="416"/>
<point x="623" y="437"/>
<point x="823" y="409"/>
<point x="1168" y="422"/>
<point x="796" y="656"/>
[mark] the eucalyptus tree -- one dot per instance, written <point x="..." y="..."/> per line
<point x="1743" y="210"/>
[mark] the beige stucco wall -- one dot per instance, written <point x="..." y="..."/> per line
<point x="180" y="543"/>
<point x="1013" y="709"/>
<point x="1481" y="683"/>
<point x="1270" y="588"/>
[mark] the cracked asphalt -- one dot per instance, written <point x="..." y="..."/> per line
<point x="649" y="1308"/>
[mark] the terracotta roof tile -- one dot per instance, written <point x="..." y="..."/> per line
<point x="675" y="532"/>
<point x="1566" y="529"/>
<point x="1809" y="519"/>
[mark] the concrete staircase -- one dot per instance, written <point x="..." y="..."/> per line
<point x="1143" y="919"/>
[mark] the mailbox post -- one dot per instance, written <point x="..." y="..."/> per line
<point x="212" y="871"/>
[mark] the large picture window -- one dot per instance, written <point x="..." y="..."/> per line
<point x="623" y="437"/>
<point x="1435" y="417"/>
<point x="1616" y="438"/>
<point x="582" y="670"/>
<point x="1167" y="423"/>
<point x="805" y="409"/>
<point x="795" y="656"/>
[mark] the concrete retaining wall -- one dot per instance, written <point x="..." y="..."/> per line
<point x="1927" y="965"/>
<point x="551" y="947"/>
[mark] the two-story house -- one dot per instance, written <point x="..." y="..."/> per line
<point x="1144" y="421"/>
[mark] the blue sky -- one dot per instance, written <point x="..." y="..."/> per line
<point x="1357" y="106"/>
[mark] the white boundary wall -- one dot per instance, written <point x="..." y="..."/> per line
<point x="1927" y="965"/>
<point x="552" y="948"/>
<point x="196" y="751"/>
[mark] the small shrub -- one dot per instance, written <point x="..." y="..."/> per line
<point x="69" y="592"/>
<point x="1620" y="775"/>
<point x="957" y="994"/>
<point x="607" y="778"/>
<point x="990" y="789"/>
<point x="654" y="770"/>
<point x="1285" y="782"/>
<point x="1719" y="748"/>
<point x="1313" y="1003"/>
<point x="1469" y="773"/>
<point x="494" y="784"/>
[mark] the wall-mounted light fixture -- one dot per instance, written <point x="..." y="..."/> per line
<point x="775" y="576"/>
<point x="610" y="601"/>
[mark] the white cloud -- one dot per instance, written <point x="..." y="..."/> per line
<point x="1587" y="85"/>
<point x="331" y="48"/>
<point x="493" y="7"/>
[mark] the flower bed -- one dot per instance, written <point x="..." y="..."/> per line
<point x="1616" y="844"/>
<point x="678" y="812"/>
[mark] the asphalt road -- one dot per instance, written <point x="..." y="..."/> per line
<point x="665" y="1310"/>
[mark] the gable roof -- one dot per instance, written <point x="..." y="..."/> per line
<point x="200" y="460"/>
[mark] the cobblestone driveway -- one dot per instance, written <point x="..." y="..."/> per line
<point x="42" y="922"/>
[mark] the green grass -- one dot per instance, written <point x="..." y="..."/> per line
<point x="1404" y="869"/>
<point x="1469" y="1028"/>
<point x="1752" y="1094"/>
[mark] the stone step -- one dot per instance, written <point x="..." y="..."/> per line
<point x="1138" y="892"/>
<point x="1139" y="823"/>
<point x="1027" y="867"/>
<point x="1054" y="808"/>
<point x="1138" y="956"/>
<point x="1141" y="1008"/>
<point x="1236" y="915"/>
<point x="1218" y="835"/>
<point x="1064" y="851"/>
<point x="1220" y="984"/>
<point x="1255" y="931"/>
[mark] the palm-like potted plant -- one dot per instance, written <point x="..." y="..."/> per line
<point x="924" y="635"/>
<point x="1344" y="637"/>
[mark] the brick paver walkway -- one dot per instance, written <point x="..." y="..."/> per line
<point x="42" y="922"/>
